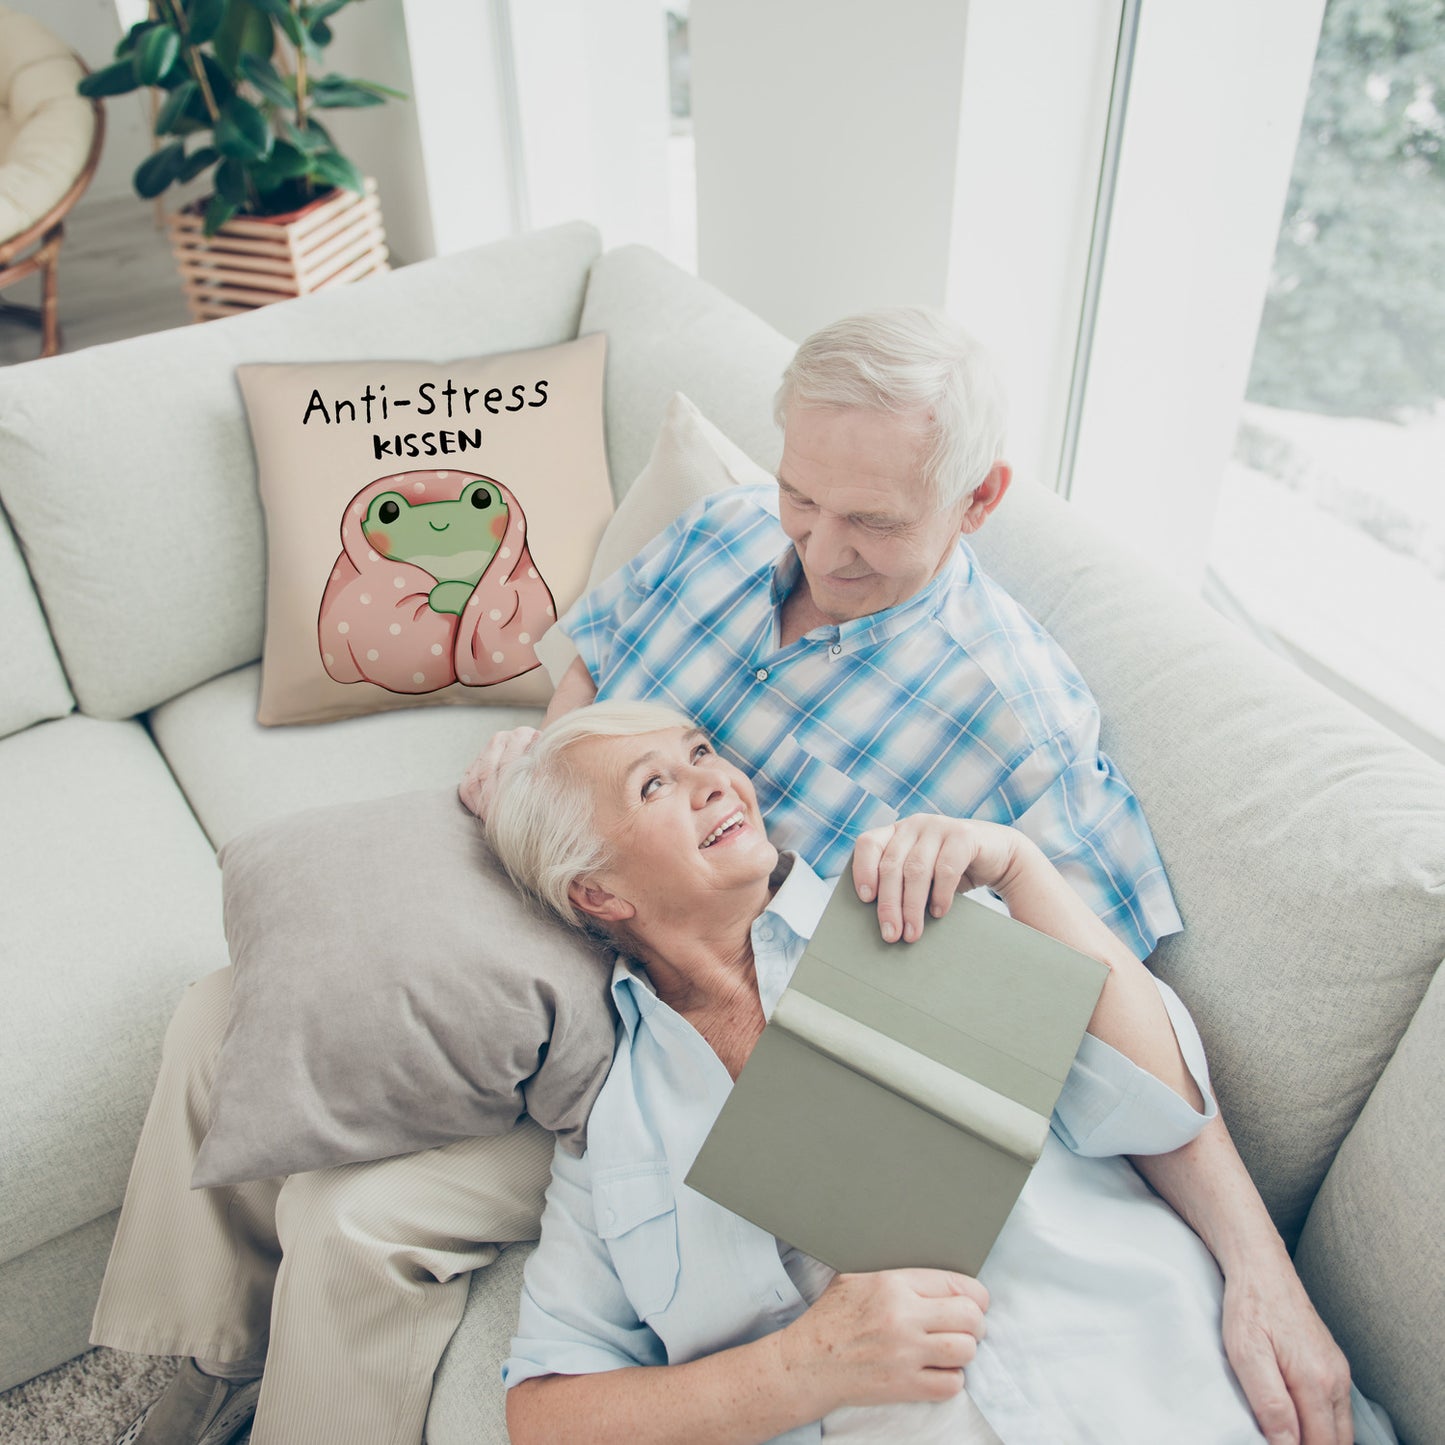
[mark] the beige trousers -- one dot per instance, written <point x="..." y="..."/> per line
<point x="350" y="1281"/>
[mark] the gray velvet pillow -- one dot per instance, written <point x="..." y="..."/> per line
<point x="392" y="992"/>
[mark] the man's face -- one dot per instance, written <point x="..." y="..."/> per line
<point x="853" y="501"/>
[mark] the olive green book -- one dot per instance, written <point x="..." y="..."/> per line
<point x="900" y="1094"/>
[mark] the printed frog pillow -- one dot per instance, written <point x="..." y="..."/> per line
<point x="390" y="585"/>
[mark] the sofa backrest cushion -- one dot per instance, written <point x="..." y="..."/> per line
<point x="669" y="332"/>
<point x="1302" y="841"/>
<point x="32" y="684"/>
<point x="128" y="472"/>
<point x="1373" y="1251"/>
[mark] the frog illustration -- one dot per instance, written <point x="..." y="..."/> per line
<point x="434" y="585"/>
<point x="454" y="541"/>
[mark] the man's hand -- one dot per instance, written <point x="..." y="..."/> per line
<point x="1295" y="1377"/>
<point x="475" y="788"/>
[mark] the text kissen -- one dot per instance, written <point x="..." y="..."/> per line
<point x="442" y="399"/>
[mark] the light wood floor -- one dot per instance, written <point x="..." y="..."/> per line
<point x="117" y="279"/>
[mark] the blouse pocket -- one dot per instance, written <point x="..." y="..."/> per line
<point x="637" y="1217"/>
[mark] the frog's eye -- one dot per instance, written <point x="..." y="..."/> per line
<point x="482" y="498"/>
<point x="388" y="512"/>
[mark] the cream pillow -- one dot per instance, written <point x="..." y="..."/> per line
<point x="691" y="459"/>
<point x="425" y="525"/>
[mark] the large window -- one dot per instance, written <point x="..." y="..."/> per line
<point x="1330" y="527"/>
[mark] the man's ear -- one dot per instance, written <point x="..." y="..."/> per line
<point x="986" y="496"/>
<point x="595" y="901"/>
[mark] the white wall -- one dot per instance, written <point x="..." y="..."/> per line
<point x="1036" y="83"/>
<point x="827" y="147"/>
<point x="593" y="114"/>
<point x="459" y="148"/>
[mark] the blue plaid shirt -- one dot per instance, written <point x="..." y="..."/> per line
<point x="955" y="702"/>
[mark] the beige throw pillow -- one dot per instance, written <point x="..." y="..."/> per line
<point x="691" y="459"/>
<point x="425" y="524"/>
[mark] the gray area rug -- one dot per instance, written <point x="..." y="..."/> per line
<point x="86" y="1402"/>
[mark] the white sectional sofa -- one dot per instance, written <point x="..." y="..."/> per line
<point x="1305" y="845"/>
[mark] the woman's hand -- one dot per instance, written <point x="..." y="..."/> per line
<point x="475" y="788"/>
<point x="897" y="1335"/>
<point x="918" y="864"/>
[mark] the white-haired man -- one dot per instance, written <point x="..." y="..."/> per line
<point x="837" y="639"/>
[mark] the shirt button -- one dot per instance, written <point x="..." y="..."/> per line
<point x="836" y="648"/>
<point x="761" y="674"/>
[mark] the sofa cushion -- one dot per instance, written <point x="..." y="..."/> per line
<point x="110" y="906"/>
<point x="150" y="557"/>
<point x="691" y="459"/>
<point x="468" y="1404"/>
<point x="1301" y="840"/>
<point x="669" y="332"/>
<point x="237" y="774"/>
<point x="1372" y="1254"/>
<point x="32" y="684"/>
<point x="47" y="1297"/>
<point x="394" y="582"/>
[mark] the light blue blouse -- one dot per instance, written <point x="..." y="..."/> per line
<point x="1105" y="1316"/>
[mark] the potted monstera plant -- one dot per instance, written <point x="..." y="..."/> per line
<point x="241" y="86"/>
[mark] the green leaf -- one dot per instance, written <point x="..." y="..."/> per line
<point x="324" y="11"/>
<point x="312" y="140"/>
<point x="320" y="35"/>
<point x="378" y="89"/>
<point x="333" y="168"/>
<point x="242" y="132"/>
<point x="131" y="38"/>
<point x="117" y="79"/>
<point x="244" y="31"/>
<point x="173" y="111"/>
<point x="218" y="213"/>
<point x="287" y="162"/>
<point x="222" y="85"/>
<point x="278" y="89"/>
<point x="333" y="92"/>
<point x="158" y="50"/>
<point x="285" y="17"/>
<point x="157" y="171"/>
<point x="197" y="161"/>
<point x="203" y="19"/>
<point x="231" y="182"/>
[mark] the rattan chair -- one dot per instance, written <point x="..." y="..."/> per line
<point x="50" y="139"/>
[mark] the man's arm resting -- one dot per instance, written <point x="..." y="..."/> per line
<point x="1295" y="1377"/>
<point x="575" y="690"/>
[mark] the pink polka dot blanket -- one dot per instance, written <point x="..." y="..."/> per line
<point x="426" y="523"/>
<point x="434" y="585"/>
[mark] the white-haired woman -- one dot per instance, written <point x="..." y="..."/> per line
<point x="652" y="1314"/>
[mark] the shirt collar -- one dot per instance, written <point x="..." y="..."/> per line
<point x="878" y="626"/>
<point x="783" y="929"/>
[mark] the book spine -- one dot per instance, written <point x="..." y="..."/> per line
<point x="953" y="1097"/>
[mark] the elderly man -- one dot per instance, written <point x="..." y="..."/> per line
<point x="838" y="640"/>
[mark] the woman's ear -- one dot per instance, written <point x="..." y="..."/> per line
<point x="596" y="902"/>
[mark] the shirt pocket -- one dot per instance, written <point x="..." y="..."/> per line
<point x="816" y="809"/>
<point x="636" y="1212"/>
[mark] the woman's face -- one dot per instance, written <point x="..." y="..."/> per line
<point x="681" y="823"/>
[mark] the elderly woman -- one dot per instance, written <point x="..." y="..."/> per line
<point x="653" y="1314"/>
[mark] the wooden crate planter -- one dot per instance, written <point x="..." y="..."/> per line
<point x="255" y="260"/>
